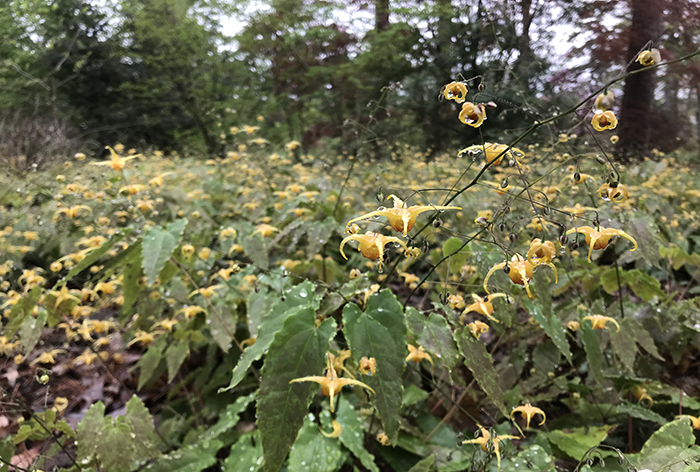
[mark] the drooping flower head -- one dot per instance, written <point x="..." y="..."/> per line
<point x="485" y="439"/>
<point x="483" y="306"/>
<point x="456" y="91"/>
<point x="371" y="245"/>
<point x="473" y="114"/>
<point x="604" y="120"/>
<point x="649" y="57"/>
<point x="520" y="272"/>
<point x="605" y="101"/>
<point x="401" y="217"/>
<point x="599" y="239"/>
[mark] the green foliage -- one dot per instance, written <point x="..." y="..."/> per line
<point x="380" y="333"/>
<point x="158" y="246"/>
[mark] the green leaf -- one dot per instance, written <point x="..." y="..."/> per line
<point x="22" y="309"/>
<point x="436" y="337"/>
<point x="669" y="446"/>
<point x="677" y="433"/>
<point x="297" y="298"/>
<point x="193" y="458"/>
<point x="353" y="435"/>
<point x="86" y="437"/>
<point x="624" y="345"/>
<point x="175" y="355"/>
<point x="457" y="259"/>
<point x="644" y="339"/>
<point x="638" y="411"/>
<point x="298" y="350"/>
<point x="551" y="325"/>
<point x="644" y="285"/>
<point x="245" y="454"/>
<point x="130" y="282"/>
<point x="150" y="361"/>
<point x="424" y="465"/>
<point x="591" y="344"/>
<point x="313" y="452"/>
<point x="608" y="279"/>
<point x="222" y="326"/>
<point x="575" y="442"/>
<point x="254" y="247"/>
<point x="480" y="363"/>
<point x="535" y="458"/>
<point x="158" y="246"/>
<point x="7" y="451"/>
<point x="380" y="332"/>
<point x="30" y="332"/>
<point x="229" y="418"/>
<point x="413" y="395"/>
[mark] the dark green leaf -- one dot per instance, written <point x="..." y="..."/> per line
<point x="380" y="332"/>
<point x="7" y="451"/>
<point x="158" y="246"/>
<point x="194" y="458"/>
<point x="314" y="452"/>
<point x="222" y="325"/>
<point x="30" y="332"/>
<point x="353" y="435"/>
<point x="638" y="411"/>
<point x="624" y="345"/>
<point x="175" y="355"/>
<point x="245" y="455"/>
<point x="480" y="363"/>
<point x="298" y="350"/>
<point x="150" y="361"/>
<point x="229" y="418"/>
<point x="437" y="338"/>
<point x="575" y="442"/>
<point x="22" y="309"/>
<point x="425" y="465"/>
<point x="591" y="344"/>
<point x="551" y="325"/>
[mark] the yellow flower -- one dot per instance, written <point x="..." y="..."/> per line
<point x="191" y="311"/>
<point x="485" y="439"/>
<point x="80" y="156"/>
<point x="615" y="194"/>
<point x="158" y="180"/>
<point x="265" y="230"/>
<point x="604" y="120"/>
<point x="47" y="357"/>
<point x="649" y="57"/>
<point x="520" y="272"/>
<point x="491" y="152"/>
<point x="483" y="306"/>
<point x="456" y="91"/>
<point x="528" y="412"/>
<point x="62" y="295"/>
<point x="605" y="101"/>
<point x="599" y="321"/>
<point x="642" y="396"/>
<point x="694" y="420"/>
<point x="116" y="162"/>
<point x="383" y="439"/>
<point x="187" y="250"/>
<point x="401" y="217"/>
<point x="228" y="233"/>
<point x="204" y="253"/>
<point x="472" y="115"/>
<point x="72" y="212"/>
<point x="337" y="430"/>
<point x="417" y="354"/>
<point x="477" y="327"/>
<point x="368" y="366"/>
<point x="371" y="245"/>
<point x="600" y="239"/>
<point x="86" y="358"/>
<point x="541" y="252"/>
<point x="573" y="325"/>
<point x="206" y="292"/>
<point x="331" y="384"/>
<point x="144" y="338"/>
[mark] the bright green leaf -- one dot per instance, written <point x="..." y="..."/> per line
<point x="158" y="246"/>
<point x="575" y="442"/>
<point x="314" y="452"/>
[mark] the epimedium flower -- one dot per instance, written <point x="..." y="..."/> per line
<point x="492" y="151"/>
<point x="71" y="213"/>
<point x="337" y="430"/>
<point x="541" y="252"/>
<point x="617" y="193"/>
<point x="599" y="239"/>
<point x="368" y="366"/>
<point x="401" y="217"/>
<point x="483" y="306"/>
<point x="604" y="120"/>
<point x="331" y="384"/>
<point x="599" y="321"/>
<point x="520" y="272"/>
<point x="528" y="412"/>
<point x="605" y="101"/>
<point x="115" y="163"/>
<point x="473" y="114"/>
<point x="371" y="245"/>
<point x="478" y="327"/>
<point x="417" y="354"/>
<point x="649" y="57"/>
<point x="486" y="439"/>
<point x="456" y="91"/>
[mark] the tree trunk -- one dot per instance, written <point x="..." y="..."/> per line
<point x="381" y="15"/>
<point x="638" y="93"/>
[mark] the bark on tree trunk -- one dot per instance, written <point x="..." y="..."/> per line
<point x="636" y="111"/>
<point x="381" y="15"/>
